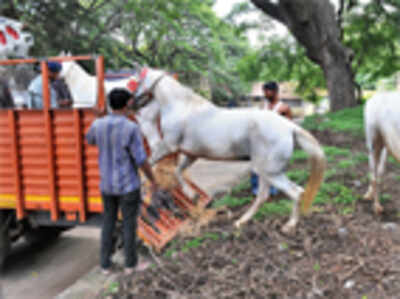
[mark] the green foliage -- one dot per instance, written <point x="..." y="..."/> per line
<point x="298" y="175"/>
<point x="183" y="36"/>
<point x="393" y="161"/>
<point x="332" y="153"/>
<point x="282" y="59"/>
<point x="299" y="155"/>
<point x="347" y="163"/>
<point x="280" y="208"/>
<point x="245" y="184"/>
<point x="336" y="193"/>
<point x="231" y="201"/>
<point x="373" y="31"/>
<point x="347" y="120"/>
<point x="196" y="242"/>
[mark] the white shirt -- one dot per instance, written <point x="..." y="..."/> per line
<point x="35" y="99"/>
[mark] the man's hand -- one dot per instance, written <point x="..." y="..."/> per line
<point x="99" y="112"/>
<point x="146" y="168"/>
<point x="154" y="187"/>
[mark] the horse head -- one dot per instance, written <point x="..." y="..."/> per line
<point x="148" y="80"/>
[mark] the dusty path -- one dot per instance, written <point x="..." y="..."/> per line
<point x="42" y="272"/>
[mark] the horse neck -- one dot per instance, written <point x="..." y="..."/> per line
<point x="173" y="94"/>
<point x="81" y="83"/>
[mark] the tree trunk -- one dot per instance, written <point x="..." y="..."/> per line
<point x="314" y="24"/>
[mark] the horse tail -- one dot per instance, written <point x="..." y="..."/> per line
<point x="317" y="158"/>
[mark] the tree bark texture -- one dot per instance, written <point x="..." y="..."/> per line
<point x="315" y="26"/>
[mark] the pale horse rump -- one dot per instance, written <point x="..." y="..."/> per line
<point x="196" y="128"/>
<point x="382" y="131"/>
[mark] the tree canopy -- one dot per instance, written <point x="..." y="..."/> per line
<point x="183" y="36"/>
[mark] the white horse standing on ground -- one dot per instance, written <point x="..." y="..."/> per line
<point x="382" y="130"/>
<point x="196" y="128"/>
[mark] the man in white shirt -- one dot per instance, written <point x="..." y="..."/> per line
<point x="273" y="103"/>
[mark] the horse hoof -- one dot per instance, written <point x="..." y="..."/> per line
<point x="238" y="224"/>
<point x="367" y="196"/>
<point x="378" y="209"/>
<point x="288" y="229"/>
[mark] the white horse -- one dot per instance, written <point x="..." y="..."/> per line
<point x="83" y="87"/>
<point x="382" y="130"/>
<point x="196" y="128"/>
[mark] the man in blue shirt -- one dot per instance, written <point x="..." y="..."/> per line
<point x="121" y="152"/>
<point x="35" y="89"/>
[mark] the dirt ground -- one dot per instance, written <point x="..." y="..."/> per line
<point x="332" y="255"/>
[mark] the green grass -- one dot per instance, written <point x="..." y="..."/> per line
<point x="241" y="186"/>
<point x="333" y="152"/>
<point x="336" y="193"/>
<point x="346" y="120"/>
<point x="298" y="175"/>
<point x="393" y="161"/>
<point x="344" y="164"/>
<point x="278" y="208"/>
<point x="299" y="155"/>
<point x="231" y="201"/>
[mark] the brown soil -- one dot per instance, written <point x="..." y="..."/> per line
<point x="331" y="256"/>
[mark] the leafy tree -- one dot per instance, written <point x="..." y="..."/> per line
<point x="183" y="36"/>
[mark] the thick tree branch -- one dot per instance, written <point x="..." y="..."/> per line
<point x="270" y="9"/>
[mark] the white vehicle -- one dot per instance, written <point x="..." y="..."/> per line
<point x="13" y="41"/>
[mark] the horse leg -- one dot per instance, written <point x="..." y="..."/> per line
<point x="295" y="192"/>
<point x="262" y="196"/>
<point x="375" y="157"/>
<point x="182" y="166"/>
<point x="161" y="150"/>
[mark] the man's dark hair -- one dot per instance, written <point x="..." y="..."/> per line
<point x="271" y="85"/>
<point x="118" y="98"/>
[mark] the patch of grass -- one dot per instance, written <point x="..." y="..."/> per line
<point x="333" y="152"/>
<point x="298" y="175"/>
<point x="397" y="177"/>
<point x="231" y="201"/>
<point x="317" y="267"/>
<point x="335" y="192"/>
<point x="393" y="161"/>
<point x="299" y="155"/>
<point x="280" y="208"/>
<point x="346" y="210"/>
<point x="196" y="242"/>
<point x="360" y="158"/>
<point x="329" y="173"/>
<point x="346" y="163"/>
<point x="241" y="186"/>
<point x="347" y="120"/>
<point x="113" y="288"/>
<point x="385" y="197"/>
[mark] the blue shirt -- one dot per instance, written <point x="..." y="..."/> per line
<point x="35" y="89"/>
<point x="121" y="152"/>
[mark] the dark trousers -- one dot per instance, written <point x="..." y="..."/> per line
<point x="130" y="206"/>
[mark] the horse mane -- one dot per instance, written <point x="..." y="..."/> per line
<point x="185" y="93"/>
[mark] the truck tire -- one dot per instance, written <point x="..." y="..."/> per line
<point x="5" y="242"/>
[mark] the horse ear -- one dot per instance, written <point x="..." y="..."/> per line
<point x="62" y="53"/>
<point x="138" y="67"/>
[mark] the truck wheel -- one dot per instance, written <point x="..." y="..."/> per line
<point x="5" y="242"/>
